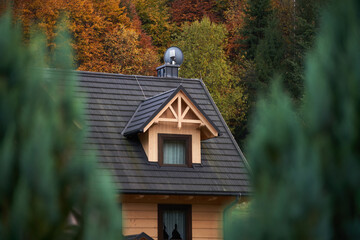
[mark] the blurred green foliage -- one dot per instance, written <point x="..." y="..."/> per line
<point x="44" y="174"/>
<point x="306" y="163"/>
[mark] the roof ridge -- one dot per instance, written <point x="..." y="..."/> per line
<point x="105" y="74"/>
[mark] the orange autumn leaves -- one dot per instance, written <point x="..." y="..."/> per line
<point x="105" y="39"/>
<point x="125" y="36"/>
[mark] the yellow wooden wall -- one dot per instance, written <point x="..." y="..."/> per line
<point x="140" y="217"/>
<point x="143" y="217"/>
<point x="207" y="222"/>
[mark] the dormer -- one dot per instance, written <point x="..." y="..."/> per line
<point x="170" y="127"/>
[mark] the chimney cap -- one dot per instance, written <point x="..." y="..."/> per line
<point x="173" y="56"/>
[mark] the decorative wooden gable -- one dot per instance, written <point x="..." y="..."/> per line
<point x="181" y="111"/>
<point x="172" y="114"/>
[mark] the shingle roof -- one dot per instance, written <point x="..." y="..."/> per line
<point x="112" y="100"/>
<point x="150" y="107"/>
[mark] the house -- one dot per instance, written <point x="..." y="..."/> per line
<point x="170" y="152"/>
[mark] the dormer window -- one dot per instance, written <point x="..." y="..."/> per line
<point x="174" y="150"/>
<point x="170" y="127"/>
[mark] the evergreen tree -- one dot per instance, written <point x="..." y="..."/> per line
<point x="289" y="33"/>
<point x="299" y="30"/>
<point x="269" y="54"/>
<point x="246" y="53"/>
<point x="45" y="177"/>
<point x="306" y="169"/>
<point x="256" y="19"/>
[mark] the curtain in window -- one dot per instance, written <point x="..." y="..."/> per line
<point x="174" y="151"/>
<point x="174" y="222"/>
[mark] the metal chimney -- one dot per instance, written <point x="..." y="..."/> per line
<point x="173" y="58"/>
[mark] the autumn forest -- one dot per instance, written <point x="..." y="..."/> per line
<point x="236" y="46"/>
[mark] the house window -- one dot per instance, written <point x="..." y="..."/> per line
<point x="174" y="222"/>
<point x="174" y="149"/>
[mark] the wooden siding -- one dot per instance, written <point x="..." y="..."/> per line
<point x="140" y="217"/>
<point x="207" y="222"/>
<point x="140" y="214"/>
